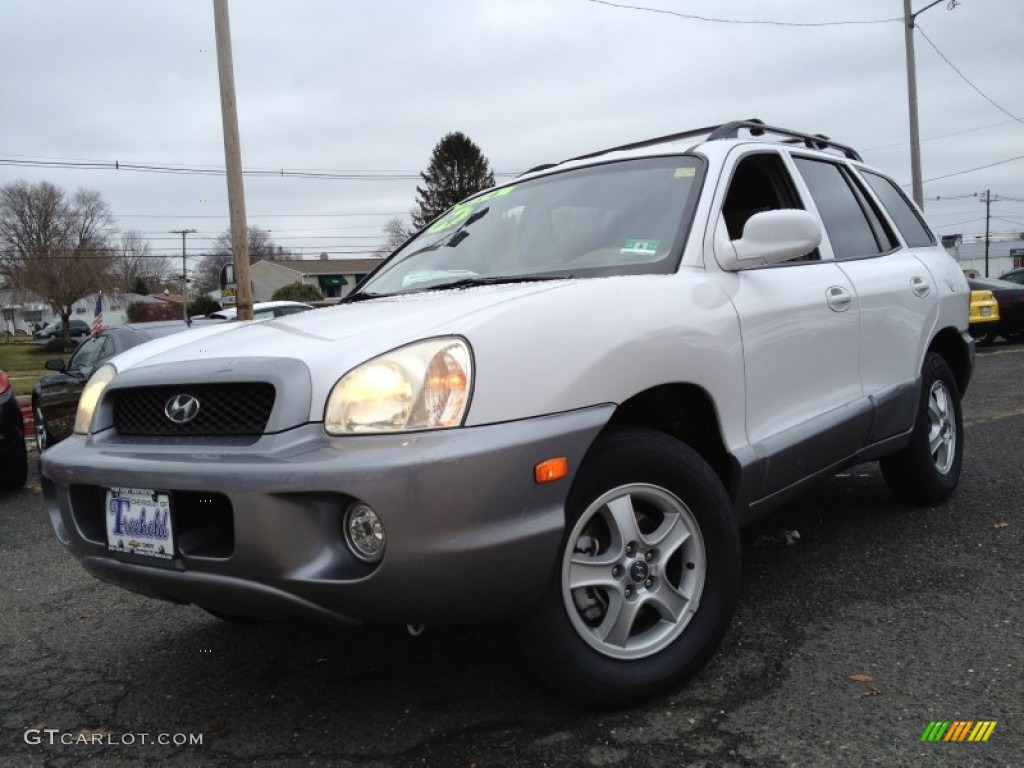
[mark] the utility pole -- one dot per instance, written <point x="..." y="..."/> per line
<point x="915" y="133"/>
<point x="233" y="160"/>
<point x="184" y="272"/>
<point x="988" y="217"/>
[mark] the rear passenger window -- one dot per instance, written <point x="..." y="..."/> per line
<point x="853" y="228"/>
<point x="910" y="225"/>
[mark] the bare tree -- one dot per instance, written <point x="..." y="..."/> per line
<point x="261" y="246"/>
<point x="396" y="232"/>
<point x="133" y="267"/>
<point x="54" y="246"/>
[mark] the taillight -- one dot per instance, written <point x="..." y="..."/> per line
<point x="5" y="383"/>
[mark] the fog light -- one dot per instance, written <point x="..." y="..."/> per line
<point x="364" y="533"/>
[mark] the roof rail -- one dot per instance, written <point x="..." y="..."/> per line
<point x="729" y="130"/>
<point x="758" y="128"/>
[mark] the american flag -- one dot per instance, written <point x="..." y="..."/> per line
<point x="97" y="315"/>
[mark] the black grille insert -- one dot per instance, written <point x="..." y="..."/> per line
<point x="241" y="408"/>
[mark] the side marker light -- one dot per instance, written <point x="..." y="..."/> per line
<point x="550" y="470"/>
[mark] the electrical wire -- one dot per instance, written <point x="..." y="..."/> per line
<point x="116" y="165"/>
<point x="964" y="77"/>
<point x="972" y="170"/>
<point x="714" y="20"/>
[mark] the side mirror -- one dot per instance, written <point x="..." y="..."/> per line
<point x="55" y="365"/>
<point x="772" y="237"/>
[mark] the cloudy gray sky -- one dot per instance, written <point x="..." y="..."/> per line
<point x="354" y="87"/>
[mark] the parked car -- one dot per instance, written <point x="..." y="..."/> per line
<point x="55" y="395"/>
<point x="13" y="456"/>
<point x="554" y="406"/>
<point x="77" y="329"/>
<point x="1013" y="276"/>
<point x="984" y="317"/>
<point x="264" y="310"/>
<point x="1010" y="297"/>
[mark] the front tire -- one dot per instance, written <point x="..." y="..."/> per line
<point x="928" y="469"/>
<point x="42" y="440"/>
<point x="647" y="575"/>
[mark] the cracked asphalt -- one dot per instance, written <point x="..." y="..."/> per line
<point x="844" y="647"/>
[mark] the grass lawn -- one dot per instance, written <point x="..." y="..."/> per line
<point x="23" y="363"/>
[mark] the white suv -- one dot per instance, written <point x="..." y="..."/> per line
<point x="554" y="405"/>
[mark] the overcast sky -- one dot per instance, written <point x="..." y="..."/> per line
<point x="347" y="86"/>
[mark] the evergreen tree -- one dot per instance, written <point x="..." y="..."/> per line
<point x="457" y="170"/>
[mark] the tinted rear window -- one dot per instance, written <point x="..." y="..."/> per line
<point x="910" y="225"/>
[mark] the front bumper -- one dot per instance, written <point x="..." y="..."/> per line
<point x="470" y="536"/>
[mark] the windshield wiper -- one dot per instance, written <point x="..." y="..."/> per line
<point x="354" y="297"/>
<point x="471" y="282"/>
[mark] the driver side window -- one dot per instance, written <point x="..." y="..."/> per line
<point x="759" y="183"/>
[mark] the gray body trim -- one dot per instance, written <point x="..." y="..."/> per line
<point x="470" y="535"/>
<point x="774" y="471"/>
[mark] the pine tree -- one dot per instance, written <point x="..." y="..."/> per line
<point x="457" y="169"/>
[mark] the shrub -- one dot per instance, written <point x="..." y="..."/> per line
<point x="203" y="305"/>
<point x="144" y="312"/>
<point x="297" y="291"/>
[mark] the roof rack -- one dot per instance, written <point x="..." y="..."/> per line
<point x="729" y="130"/>
<point x="758" y="128"/>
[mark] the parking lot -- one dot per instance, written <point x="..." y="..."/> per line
<point x="879" y="620"/>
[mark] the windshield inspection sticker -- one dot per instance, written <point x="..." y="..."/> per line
<point x="640" y="247"/>
<point x="462" y="211"/>
<point x="685" y="173"/>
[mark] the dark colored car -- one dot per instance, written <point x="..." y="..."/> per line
<point x="1014" y="276"/>
<point x="13" y="457"/>
<point x="1010" y="297"/>
<point x="77" y="329"/>
<point x="55" y="396"/>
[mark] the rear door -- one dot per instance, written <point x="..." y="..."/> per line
<point x="895" y="291"/>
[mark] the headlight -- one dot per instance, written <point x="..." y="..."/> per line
<point x="425" y="385"/>
<point x="91" y="397"/>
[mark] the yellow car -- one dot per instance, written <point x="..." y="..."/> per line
<point x="984" y="313"/>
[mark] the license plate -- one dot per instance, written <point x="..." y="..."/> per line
<point x="139" y="522"/>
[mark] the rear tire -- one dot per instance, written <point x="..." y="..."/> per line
<point x="647" y="574"/>
<point x="928" y="469"/>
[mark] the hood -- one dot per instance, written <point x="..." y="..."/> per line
<point x="336" y="338"/>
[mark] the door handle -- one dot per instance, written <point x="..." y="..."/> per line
<point x="839" y="299"/>
<point x="920" y="286"/>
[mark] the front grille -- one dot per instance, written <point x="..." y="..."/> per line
<point x="224" y="409"/>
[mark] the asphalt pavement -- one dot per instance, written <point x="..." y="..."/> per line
<point x="846" y="645"/>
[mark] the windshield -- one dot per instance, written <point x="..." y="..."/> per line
<point x="626" y="217"/>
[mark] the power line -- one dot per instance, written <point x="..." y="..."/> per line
<point x="941" y="136"/>
<point x="964" y="77"/>
<point x="978" y="168"/>
<point x="117" y="165"/>
<point x="714" y="20"/>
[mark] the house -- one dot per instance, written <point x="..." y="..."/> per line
<point x="23" y="310"/>
<point x="334" y="277"/>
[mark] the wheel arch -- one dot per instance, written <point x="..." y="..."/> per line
<point x="951" y="346"/>
<point x="686" y="412"/>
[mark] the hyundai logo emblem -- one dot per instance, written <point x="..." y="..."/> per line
<point x="181" y="409"/>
